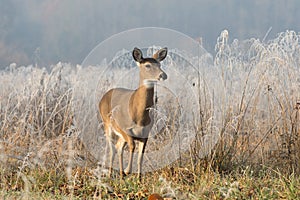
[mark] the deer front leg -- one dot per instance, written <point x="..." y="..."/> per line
<point x="142" y="146"/>
<point x="131" y="146"/>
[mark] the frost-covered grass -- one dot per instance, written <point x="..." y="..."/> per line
<point x="247" y="100"/>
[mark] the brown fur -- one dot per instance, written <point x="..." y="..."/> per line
<point x="140" y="103"/>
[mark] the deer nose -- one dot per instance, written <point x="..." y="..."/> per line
<point x="163" y="76"/>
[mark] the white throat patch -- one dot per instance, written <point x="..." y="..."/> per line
<point x="149" y="83"/>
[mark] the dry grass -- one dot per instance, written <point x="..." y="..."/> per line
<point x="175" y="183"/>
<point x="254" y="109"/>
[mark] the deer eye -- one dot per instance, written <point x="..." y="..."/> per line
<point x="148" y="66"/>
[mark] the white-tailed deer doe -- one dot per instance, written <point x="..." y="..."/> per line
<point x="126" y="113"/>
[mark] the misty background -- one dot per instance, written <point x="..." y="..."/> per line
<point x="44" y="32"/>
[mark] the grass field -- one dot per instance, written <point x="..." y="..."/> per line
<point x="254" y="107"/>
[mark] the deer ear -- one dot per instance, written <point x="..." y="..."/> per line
<point x="161" y="54"/>
<point x="137" y="54"/>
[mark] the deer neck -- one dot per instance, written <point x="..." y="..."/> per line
<point x="140" y="103"/>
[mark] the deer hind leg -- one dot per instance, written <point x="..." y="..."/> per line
<point x="131" y="146"/>
<point x="120" y="148"/>
<point x="109" y="141"/>
<point x="142" y="145"/>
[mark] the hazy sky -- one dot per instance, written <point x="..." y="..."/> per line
<point x="49" y="31"/>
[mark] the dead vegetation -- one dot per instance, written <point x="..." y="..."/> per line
<point x="256" y="116"/>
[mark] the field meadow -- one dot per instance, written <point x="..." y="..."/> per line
<point x="237" y="116"/>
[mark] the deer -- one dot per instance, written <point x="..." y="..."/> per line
<point x="126" y="113"/>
